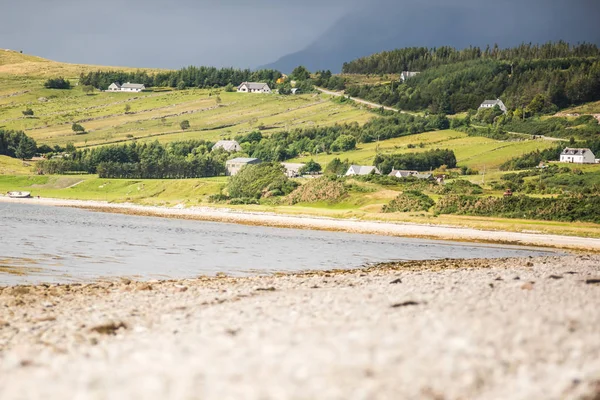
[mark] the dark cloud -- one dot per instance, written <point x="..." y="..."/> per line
<point x="175" y="33"/>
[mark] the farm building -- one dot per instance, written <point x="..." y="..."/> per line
<point x="577" y="156"/>
<point x="232" y="167"/>
<point x="494" y="103"/>
<point x="227" y="145"/>
<point x="362" y="170"/>
<point x="126" y="87"/>
<point x="254" y="87"/>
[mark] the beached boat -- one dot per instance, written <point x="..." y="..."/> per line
<point x="19" y="195"/>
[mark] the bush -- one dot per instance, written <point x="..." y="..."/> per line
<point x="28" y="112"/>
<point x="262" y="180"/>
<point x="311" y="167"/>
<point x="410" y="200"/>
<point x="78" y="129"/>
<point x="57" y="83"/>
<point x="321" y="189"/>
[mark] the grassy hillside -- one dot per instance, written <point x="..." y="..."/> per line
<point x="14" y="63"/>
<point x="473" y="152"/>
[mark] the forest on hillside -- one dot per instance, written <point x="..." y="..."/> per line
<point x="452" y="81"/>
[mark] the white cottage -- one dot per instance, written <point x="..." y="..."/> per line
<point x="132" y="87"/>
<point x="494" y="103"/>
<point x="362" y="170"/>
<point x="227" y="145"/>
<point x="398" y="173"/>
<point x="577" y="156"/>
<point x="126" y="87"/>
<point x="114" y="87"/>
<point x="254" y="87"/>
<point x="405" y="75"/>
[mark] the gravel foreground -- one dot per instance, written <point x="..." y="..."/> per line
<point x="468" y="329"/>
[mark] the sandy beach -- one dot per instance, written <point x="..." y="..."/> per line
<point x="322" y="223"/>
<point x="470" y="329"/>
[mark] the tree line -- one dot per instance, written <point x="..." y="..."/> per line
<point x="285" y="145"/>
<point x="175" y="160"/>
<point x="424" y="161"/>
<point x="422" y="58"/>
<point x="200" y="77"/>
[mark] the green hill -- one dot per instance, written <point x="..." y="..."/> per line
<point x="453" y="81"/>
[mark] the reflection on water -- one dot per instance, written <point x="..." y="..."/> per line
<point x="65" y="244"/>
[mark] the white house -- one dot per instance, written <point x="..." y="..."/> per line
<point x="362" y="170"/>
<point x="577" y="156"/>
<point x="292" y="170"/>
<point x="232" y="167"/>
<point x="114" y="87"/>
<point x="126" y="87"/>
<point x="407" y="75"/>
<point x="494" y="103"/>
<point x="228" y="145"/>
<point x="254" y="87"/>
<point x="132" y="87"/>
<point x="402" y="174"/>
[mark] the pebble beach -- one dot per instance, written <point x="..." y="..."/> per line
<point x="448" y="329"/>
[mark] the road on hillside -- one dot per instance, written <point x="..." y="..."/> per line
<point x="368" y="103"/>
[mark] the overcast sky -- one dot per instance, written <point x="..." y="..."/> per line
<point x="176" y="33"/>
<point x="169" y="34"/>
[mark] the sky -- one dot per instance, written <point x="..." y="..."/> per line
<point x="178" y="33"/>
<point x="165" y="33"/>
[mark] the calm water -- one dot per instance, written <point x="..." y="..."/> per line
<point x="63" y="244"/>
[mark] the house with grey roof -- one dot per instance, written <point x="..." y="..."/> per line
<point x="492" y="104"/>
<point x="232" y="167"/>
<point x="362" y="170"/>
<point x="292" y="170"/>
<point x="114" y="87"/>
<point x="254" y="87"/>
<point x="228" y="145"/>
<point x="577" y="156"/>
<point x="398" y="173"/>
<point x="126" y="87"/>
<point x="405" y="75"/>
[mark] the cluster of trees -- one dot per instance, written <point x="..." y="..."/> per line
<point x="17" y="144"/>
<point x="584" y="127"/>
<point x="422" y="58"/>
<point x="281" y="146"/>
<point x="260" y="181"/>
<point x="57" y="83"/>
<point x="200" y="77"/>
<point x="457" y="82"/>
<point x="424" y="161"/>
<point x="564" y="208"/>
<point x="186" y="159"/>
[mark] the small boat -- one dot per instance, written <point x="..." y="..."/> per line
<point x="19" y="195"/>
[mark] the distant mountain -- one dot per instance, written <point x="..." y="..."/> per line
<point x="387" y="25"/>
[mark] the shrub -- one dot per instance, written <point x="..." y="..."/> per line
<point x="262" y="180"/>
<point x="57" y="83"/>
<point x="78" y="129"/>
<point x="410" y="200"/>
<point x="321" y="189"/>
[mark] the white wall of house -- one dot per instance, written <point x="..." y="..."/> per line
<point x="586" y="158"/>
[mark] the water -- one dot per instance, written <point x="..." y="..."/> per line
<point x="51" y="244"/>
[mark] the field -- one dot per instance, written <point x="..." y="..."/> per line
<point x="90" y="187"/>
<point x="474" y="152"/>
<point x="153" y="114"/>
<point x="157" y="114"/>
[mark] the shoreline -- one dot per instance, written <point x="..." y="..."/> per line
<point x="420" y="231"/>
